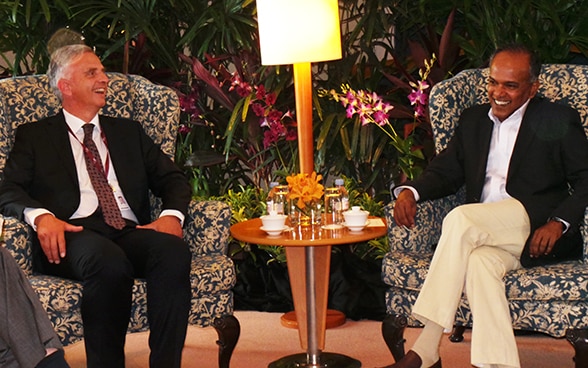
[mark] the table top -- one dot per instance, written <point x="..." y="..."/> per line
<point x="249" y="231"/>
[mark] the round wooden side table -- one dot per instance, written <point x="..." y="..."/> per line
<point x="308" y="251"/>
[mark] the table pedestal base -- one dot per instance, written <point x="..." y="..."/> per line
<point x="334" y="319"/>
<point x="327" y="360"/>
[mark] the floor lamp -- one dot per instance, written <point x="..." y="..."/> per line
<point x="300" y="32"/>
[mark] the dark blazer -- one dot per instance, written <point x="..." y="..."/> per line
<point x="548" y="172"/>
<point x="41" y="172"/>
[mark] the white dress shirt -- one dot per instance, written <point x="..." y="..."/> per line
<point x="88" y="198"/>
<point x="502" y="143"/>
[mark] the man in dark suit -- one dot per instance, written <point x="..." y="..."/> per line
<point x="524" y="164"/>
<point x="27" y="338"/>
<point x="84" y="189"/>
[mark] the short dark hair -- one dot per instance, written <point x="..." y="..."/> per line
<point x="515" y="48"/>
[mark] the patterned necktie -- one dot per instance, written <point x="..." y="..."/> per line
<point x="110" y="210"/>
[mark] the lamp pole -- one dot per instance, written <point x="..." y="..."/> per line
<point x="299" y="32"/>
<point x="303" y="93"/>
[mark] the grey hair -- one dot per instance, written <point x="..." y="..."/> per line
<point x="60" y="61"/>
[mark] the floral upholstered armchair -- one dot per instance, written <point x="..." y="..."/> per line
<point x="29" y="99"/>
<point x="550" y="299"/>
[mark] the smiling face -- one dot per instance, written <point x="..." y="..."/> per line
<point x="83" y="86"/>
<point x="510" y="84"/>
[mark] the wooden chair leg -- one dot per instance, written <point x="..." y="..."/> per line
<point x="579" y="340"/>
<point x="393" y="331"/>
<point x="457" y="334"/>
<point x="228" y="331"/>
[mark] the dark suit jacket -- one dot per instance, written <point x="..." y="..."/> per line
<point x="41" y="172"/>
<point x="548" y="172"/>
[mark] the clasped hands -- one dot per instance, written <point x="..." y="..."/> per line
<point x="542" y="241"/>
<point x="51" y="233"/>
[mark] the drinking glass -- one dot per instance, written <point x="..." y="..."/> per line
<point x="332" y="215"/>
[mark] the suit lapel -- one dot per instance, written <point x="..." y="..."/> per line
<point x="57" y="134"/>
<point x="483" y="148"/>
<point x="524" y="139"/>
<point x="117" y="143"/>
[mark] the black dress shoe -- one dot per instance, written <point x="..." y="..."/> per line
<point x="412" y="360"/>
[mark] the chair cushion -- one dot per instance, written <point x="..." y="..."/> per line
<point x="564" y="281"/>
<point x="17" y="236"/>
<point x="406" y="270"/>
<point x="62" y="298"/>
<point x="212" y="278"/>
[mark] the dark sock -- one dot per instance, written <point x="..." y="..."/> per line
<point x="55" y="360"/>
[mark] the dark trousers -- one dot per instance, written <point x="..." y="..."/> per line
<point x="106" y="261"/>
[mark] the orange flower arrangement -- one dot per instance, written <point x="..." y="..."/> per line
<point x="305" y="188"/>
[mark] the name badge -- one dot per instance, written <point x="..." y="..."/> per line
<point x="122" y="203"/>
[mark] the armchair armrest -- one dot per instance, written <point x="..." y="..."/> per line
<point x="17" y="237"/>
<point x="207" y="227"/>
<point x="427" y="229"/>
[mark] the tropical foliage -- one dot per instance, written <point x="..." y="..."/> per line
<point x="224" y="146"/>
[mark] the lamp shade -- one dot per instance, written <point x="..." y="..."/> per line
<point x="298" y="31"/>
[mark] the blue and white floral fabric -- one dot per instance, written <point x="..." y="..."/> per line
<point x="548" y="299"/>
<point x="29" y="99"/>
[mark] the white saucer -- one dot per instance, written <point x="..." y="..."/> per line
<point x="332" y="227"/>
<point x="273" y="232"/>
<point x="355" y="228"/>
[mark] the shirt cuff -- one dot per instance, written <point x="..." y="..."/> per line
<point x="399" y="189"/>
<point x="565" y="224"/>
<point x="175" y="213"/>
<point x="31" y="214"/>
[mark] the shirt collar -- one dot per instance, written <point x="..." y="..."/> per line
<point x="515" y="116"/>
<point x="75" y="123"/>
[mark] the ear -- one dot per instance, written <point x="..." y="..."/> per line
<point x="64" y="86"/>
<point x="535" y="88"/>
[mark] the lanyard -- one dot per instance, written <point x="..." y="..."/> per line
<point x="104" y="170"/>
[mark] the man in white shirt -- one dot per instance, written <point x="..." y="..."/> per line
<point x="85" y="190"/>
<point x="518" y="157"/>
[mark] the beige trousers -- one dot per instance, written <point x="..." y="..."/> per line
<point x="479" y="243"/>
